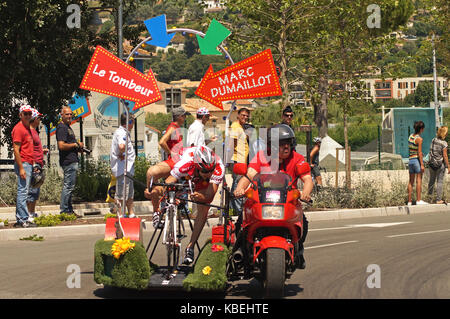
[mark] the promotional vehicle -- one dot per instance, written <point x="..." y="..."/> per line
<point x="268" y="242"/>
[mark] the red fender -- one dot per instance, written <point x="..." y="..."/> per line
<point x="272" y="242"/>
<point x="131" y="228"/>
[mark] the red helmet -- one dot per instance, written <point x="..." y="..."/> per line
<point x="204" y="159"/>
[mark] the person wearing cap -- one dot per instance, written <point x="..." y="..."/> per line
<point x="172" y="143"/>
<point x="38" y="165"/>
<point x="23" y="164"/>
<point x="68" y="158"/>
<point x="117" y="156"/>
<point x="196" y="134"/>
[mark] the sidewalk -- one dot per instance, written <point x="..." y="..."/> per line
<point x="143" y="209"/>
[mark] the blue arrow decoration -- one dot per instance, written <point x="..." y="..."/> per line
<point x="157" y="27"/>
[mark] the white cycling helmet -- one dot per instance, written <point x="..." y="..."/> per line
<point x="203" y="111"/>
<point x="204" y="158"/>
<point x="317" y="140"/>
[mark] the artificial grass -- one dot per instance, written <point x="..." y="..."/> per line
<point x="216" y="280"/>
<point x="131" y="270"/>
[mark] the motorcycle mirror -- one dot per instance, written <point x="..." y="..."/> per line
<point x="240" y="169"/>
<point x="302" y="168"/>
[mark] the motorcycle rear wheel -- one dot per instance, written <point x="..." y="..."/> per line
<point x="275" y="273"/>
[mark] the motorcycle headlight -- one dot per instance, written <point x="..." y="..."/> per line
<point x="272" y="212"/>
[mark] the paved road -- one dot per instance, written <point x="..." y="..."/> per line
<point x="411" y="255"/>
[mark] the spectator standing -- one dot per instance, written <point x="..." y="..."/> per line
<point x="314" y="158"/>
<point x="23" y="164"/>
<point x="240" y="149"/>
<point x="438" y="162"/>
<point x="68" y="158"/>
<point x="196" y="132"/>
<point x="172" y="144"/>
<point x="172" y="141"/>
<point x="38" y="166"/>
<point x="118" y="150"/>
<point x="416" y="166"/>
<point x="287" y="118"/>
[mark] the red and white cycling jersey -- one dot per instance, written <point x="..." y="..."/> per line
<point x="186" y="167"/>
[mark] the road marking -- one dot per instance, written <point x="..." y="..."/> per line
<point x="421" y="233"/>
<point x="332" y="228"/>
<point x="379" y="225"/>
<point x="375" y="225"/>
<point x="332" y="244"/>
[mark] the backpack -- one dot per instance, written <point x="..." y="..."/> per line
<point x="432" y="162"/>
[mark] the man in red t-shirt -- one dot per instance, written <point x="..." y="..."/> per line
<point x="172" y="144"/>
<point x="287" y="160"/>
<point x="23" y="164"/>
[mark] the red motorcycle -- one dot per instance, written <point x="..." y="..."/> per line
<point x="268" y="242"/>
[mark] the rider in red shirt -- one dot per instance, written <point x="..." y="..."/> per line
<point x="287" y="160"/>
<point x="206" y="171"/>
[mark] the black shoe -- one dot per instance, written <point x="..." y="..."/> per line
<point x="189" y="256"/>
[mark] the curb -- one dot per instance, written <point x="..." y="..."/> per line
<point x="99" y="229"/>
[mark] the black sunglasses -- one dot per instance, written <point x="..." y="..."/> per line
<point x="27" y="113"/>
<point x="290" y="115"/>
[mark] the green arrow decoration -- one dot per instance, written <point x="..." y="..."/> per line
<point x="214" y="36"/>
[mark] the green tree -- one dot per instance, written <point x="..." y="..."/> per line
<point x="423" y="95"/>
<point x="42" y="60"/>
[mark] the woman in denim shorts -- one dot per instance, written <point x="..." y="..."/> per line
<point x="416" y="166"/>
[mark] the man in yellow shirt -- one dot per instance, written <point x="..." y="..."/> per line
<point x="240" y="151"/>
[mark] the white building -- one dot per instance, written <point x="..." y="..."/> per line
<point x="379" y="90"/>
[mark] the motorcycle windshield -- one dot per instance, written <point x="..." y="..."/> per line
<point x="272" y="188"/>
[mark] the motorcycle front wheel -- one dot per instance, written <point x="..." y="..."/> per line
<point x="275" y="273"/>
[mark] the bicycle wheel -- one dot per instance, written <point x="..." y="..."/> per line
<point x="170" y="237"/>
<point x="173" y="249"/>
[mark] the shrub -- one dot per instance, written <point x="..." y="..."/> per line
<point x="132" y="270"/>
<point x="4" y="221"/>
<point x="52" y="187"/>
<point x="8" y="191"/>
<point x="47" y="220"/>
<point x="67" y="217"/>
<point x="109" y="215"/>
<point x="216" y="280"/>
<point x="92" y="181"/>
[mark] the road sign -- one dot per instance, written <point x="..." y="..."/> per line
<point x="253" y="77"/>
<point x="80" y="109"/>
<point x="110" y="75"/>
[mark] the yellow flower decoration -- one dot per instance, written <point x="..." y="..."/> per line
<point x="121" y="246"/>
<point x="207" y="270"/>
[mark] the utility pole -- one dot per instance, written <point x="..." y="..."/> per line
<point x="436" y="102"/>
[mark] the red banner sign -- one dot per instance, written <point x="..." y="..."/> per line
<point x="251" y="78"/>
<point x="110" y="75"/>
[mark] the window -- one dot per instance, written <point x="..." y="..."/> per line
<point x="382" y="85"/>
<point x="173" y="98"/>
<point x="402" y="85"/>
<point x="383" y="93"/>
<point x="413" y="85"/>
